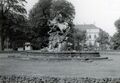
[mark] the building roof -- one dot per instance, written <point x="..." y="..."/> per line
<point x="86" y="26"/>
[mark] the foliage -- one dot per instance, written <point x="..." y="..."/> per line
<point x="117" y="24"/>
<point x="116" y="41"/>
<point x="40" y="16"/>
<point x="103" y="39"/>
<point x="19" y="35"/>
<point x="12" y="15"/>
<point x="116" y="37"/>
<point x="63" y="7"/>
<point x="77" y="39"/>
<point x="80" y="35"/>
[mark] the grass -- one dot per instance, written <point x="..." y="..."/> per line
<point x="96" y="69"/>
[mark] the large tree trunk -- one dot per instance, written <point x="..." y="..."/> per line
<point x="2" y="43"/>
<point x="2" y="38"/>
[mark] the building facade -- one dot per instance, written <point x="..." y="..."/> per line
<point x="92" y="33"/>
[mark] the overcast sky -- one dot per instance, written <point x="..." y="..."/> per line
<point x="102" y="13"/>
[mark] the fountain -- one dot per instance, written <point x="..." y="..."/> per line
<point x="57" y="40"/>
<point x="58" y="34"/>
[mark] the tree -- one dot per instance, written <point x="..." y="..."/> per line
<point x="116" y="36"/>
<point x="12" y="13"/>
<point x="117" y="24"/>
<point x="79" y="39"/>
<point x="40" y="16"/>
<point x="103" y="39"/>
<point x="19" y="35"/>
<point x="76" y="39"/>
<point x="116" y="41"/>
<point x="65" y="8"/>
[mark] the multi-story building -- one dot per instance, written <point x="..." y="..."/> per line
<point x="92" y="33"/>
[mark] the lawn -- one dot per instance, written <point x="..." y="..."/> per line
<point x="71" y="68"/>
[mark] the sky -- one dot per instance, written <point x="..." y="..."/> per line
<point x="102" y="13"/>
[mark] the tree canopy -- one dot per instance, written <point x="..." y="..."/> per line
<point x="41" y="14"/>
<point x="103" y="39"/>
<point x="116" y="36"/>
<point x="117" y="24"/>
<point x="116" y="41"/>
<point x="12" y="14"/>
<point x="79" y="39"/>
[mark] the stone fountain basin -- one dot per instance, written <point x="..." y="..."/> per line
<point x="59" y="56"/>
<point x="63" y="54"/>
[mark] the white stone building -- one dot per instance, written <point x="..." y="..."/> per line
<point x="92" y="33"/>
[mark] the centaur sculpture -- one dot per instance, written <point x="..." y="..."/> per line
<point x="58" y="34"/>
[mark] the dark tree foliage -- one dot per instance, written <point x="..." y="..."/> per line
<point x="117" y="24"/>
<point x="65" y="8"/>
<point x="116" y="37"/>
<point x="103" y="39"/>
<point x="76" y="39"/>
<point x="19" y="35"/>
<point x="40" y="16"/>
<point x="79" y="39"/>
<point x="116" y="41"/>
<point x="12" y="15"/>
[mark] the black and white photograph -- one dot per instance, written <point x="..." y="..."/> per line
<point x="59" y="41"/>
